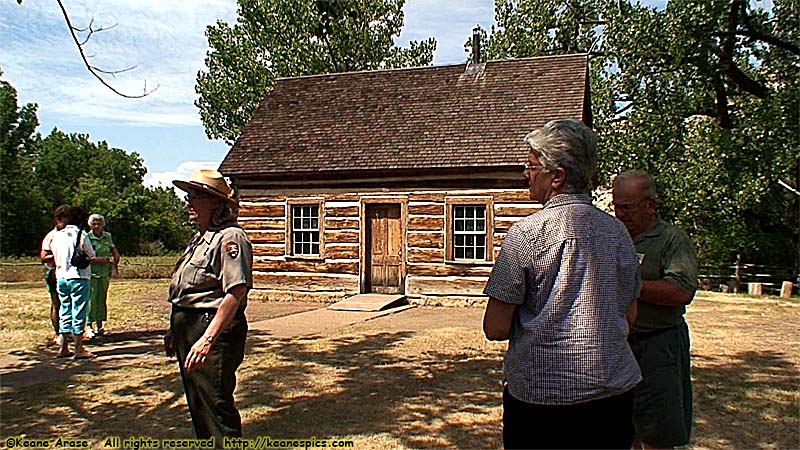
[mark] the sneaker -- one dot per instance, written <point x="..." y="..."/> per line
<point x="88" y="334"/>
<point x="101" y="332"/>
<point x="58" y="340"/>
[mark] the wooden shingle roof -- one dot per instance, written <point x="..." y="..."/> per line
<point x="421" y="118"/>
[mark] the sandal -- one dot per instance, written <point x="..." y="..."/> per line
<point x="85" y="355"/>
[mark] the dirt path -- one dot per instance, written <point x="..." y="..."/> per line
<point x="268" y="320"/>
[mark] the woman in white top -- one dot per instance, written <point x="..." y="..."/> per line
<point x="72" y="283"/>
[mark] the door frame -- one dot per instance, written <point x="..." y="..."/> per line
<point x="362" y="241"/>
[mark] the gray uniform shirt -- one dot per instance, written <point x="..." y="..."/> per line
<point x="214" y="262"/>
<point x="573" y="271"/>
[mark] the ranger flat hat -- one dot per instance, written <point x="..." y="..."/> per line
<point x="209" y="182"/>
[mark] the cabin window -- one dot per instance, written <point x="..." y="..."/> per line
<point x="469" y="232"/>
<point x="469" y="229"/>
<point x="305" y="229"/>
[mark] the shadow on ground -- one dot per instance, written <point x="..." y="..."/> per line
<point x="422" y="390"/>
<point x="750" y="402"/>
<point x="130" y="389"/>
<point x="433" y="399"/>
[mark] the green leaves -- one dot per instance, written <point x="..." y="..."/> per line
<point x="37" y="174"/>
<point x="673" y="94"/>
<point x="286" y="38"/>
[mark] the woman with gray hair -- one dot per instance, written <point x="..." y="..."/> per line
<point x="108" y="264"/>
<point x="563" y="292"/>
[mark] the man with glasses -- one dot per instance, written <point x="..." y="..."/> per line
<point x="563" y="293"/>
<point x="662" y="409"/>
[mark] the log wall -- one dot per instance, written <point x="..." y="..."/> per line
<point x="335" y="274"/>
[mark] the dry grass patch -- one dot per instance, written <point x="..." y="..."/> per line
<point x="133" y="306"/>
<point x="423" y="378"/>
<point x="746" y="371"/>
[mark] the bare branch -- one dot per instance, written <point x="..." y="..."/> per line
<point x="625" y="108"/>
<point x="771" y="40"/>
<point x="113" y="72"/>
<point x="91" y="30"/>
<point x="94" y="70"/>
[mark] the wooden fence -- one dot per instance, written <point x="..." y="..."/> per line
<point x="736" y="278"/>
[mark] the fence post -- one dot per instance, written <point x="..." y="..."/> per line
<point x="738" y="273"/>
<point x="786" y="289"/>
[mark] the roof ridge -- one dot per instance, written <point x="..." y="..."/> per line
<point x="402" y="69"/>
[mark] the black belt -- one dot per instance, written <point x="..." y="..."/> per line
<point x="210" y="311"/>
<point x="637" y="337"/>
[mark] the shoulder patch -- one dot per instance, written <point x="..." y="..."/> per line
<point x="232" y="249"/>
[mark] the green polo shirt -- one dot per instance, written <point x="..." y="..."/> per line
<point x="666" y="253"/>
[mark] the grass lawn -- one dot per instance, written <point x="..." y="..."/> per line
<point x="423" y="378"/>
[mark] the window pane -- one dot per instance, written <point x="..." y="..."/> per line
<point x="459" y="240"/>
<point x="313" y="211"/>
<point x="306" y="249"/>
<point x="470" y="225"/>
<point x="470" y="240"/>
<point x="314" y="237"/>
<point x="469" y="253"/>
<point x="480" y="240"/>
<point x="480" y="253"/>
<point x="314" y="223"/>
<point x="459" y="252"/>
<point x="480" y="212"/>
<point x="480" y="225"/>
<point x="459" y="211"/>
<point x="315" y="249"/>
<point x="459" y="225"/>
<point x="298" y="248"/>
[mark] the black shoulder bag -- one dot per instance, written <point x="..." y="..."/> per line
<point x="79" y="259"/>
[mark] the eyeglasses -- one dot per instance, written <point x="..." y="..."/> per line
<point x="198" y="196"/>
<point x="627" y="207"/>
<point x="532" y="167"/>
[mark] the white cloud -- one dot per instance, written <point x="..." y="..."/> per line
<point x="449" y="21"/>
<point x="182" y="172"/>
<point x="165" y="40"/>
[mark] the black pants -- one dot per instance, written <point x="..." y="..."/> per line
<point x="604" y="423"/>
<point x="209" y="389"/>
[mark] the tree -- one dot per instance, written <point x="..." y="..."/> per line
<point x="285" y="38"/>
<point x="24" y="209"/>
<point x="105" y="180"/>
<point x="704" y="95"/>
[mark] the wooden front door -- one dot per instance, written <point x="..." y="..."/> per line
<point x="384" y="252"/>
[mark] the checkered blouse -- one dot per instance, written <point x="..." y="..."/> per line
<point x="573" y="271"/>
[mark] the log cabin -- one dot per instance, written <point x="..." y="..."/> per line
<point x="399" y="181"/>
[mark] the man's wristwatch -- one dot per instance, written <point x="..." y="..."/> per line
<point x="208" y="338"/>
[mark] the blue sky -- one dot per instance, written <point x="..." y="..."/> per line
<point x="166" y="41"/>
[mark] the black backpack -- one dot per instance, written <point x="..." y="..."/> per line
<point x="79" y="259"/>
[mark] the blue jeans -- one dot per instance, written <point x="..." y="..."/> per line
<point x="74" y="296"/>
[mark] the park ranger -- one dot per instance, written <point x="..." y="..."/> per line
<point x="208" y="295"/>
